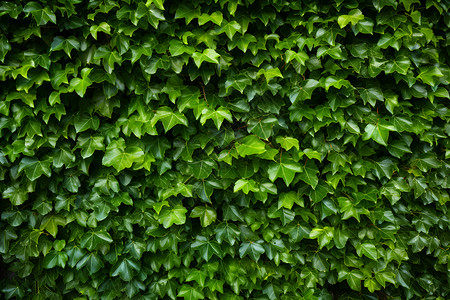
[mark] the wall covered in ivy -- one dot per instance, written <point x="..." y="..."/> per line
<point x="224" y="149"/>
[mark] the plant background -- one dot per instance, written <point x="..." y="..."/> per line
<point x="226" y="149"/>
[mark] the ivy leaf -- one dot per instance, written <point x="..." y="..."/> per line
<point x="67" y="45"/>
<point x="34" y="168"/>
<point x="89" y="144"/>
<point x="121" y="157"/>
<point x="284" y="169"/>
<point x="55" y="258"/>
<point x="80" y="85"/>
<point x="262" y="127"/>
<point x="354" y="16"/>
<point x="190" y="293"/>
<point x="203" y="168"/>
<point x="208" y="55"/>
<point x="92" y="262"/>
<point x="250" y="145"/>
<point x="216" y="17"/>
<point x="309" y="174"/>
<point x="301" y="57"/>
<point x="41" y="15"/>
<point x="84" y="122"/>
<point x="367" y="249"/>
<point x="5" y="46"/>
<point x="229" y="28"/>
<point x="378" y="132"/>
<point x="176" y="48"/>
<point x="252" y="249"/>
<point x="304" y="91"/>
<point x="227" y="232"/>
<point x="93" y="239"/>
<point x="125" y="268"/>
<point x="174" y="215"/>
<point x="206" y="247"/>
<point x="217" y="116"/>
<point x="169" y="118"/>
<point x="206" y="214"/>
<point x="51" y="222"/>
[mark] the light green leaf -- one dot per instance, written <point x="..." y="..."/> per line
<point x="51" y="222"/>
<point x="190" y="293"/>
<point x="354" y="17"/>
<point x="174" y="215"/>
<point x="80" y="85"/>
<point x="287" y="142"/>
<point x="250" y="145"/>
<point x="121" y="157"/>
<point x="217" y="116"/>
<point x="169" y="118"/>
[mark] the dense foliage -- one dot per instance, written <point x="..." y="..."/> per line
<point x="225" y="149"/>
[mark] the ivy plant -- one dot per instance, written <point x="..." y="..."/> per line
<point x="225" y="149"/>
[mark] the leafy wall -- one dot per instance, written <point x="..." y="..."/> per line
<point x="224" y="149"/>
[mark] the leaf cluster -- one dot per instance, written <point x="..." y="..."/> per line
<point x="225" y="149"/>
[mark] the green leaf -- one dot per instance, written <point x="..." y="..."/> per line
<point x="103" y="27"/>
<point x="34" y="168"/>
<point x="80" y="85"/>
<point x="304" y="91"/>
<point x="229" y="28"/>
<point x="5" y="46"/>
<point x="367" y="249"/>
<point x="288" y="142"/>
<point x="125" y="268"/>
<point x="89" y="144"/>
<point x="216" y="17"/>
<point x="269" y="73"/>
<point x="169" y="118"/>
<point x="94" y="239"/>
<point x="353" y="17"/>
<point x="55" y="258"/>
<point x="84" y="122"/>
<point x="203" y="168"/>
<point x="309" y="174"/>
<point x="41" y="15"/>
<point x="174" y="215"/>
<point x="227" y="232"/>
<point x="323" y="235"/>
<point x="208" y="55"/>
<point x="190" y="293"/>
<point x="354" y="279"/>
<point x="262" y="127"/>
<point x="252" y="249"/>
<point x="92" y="262"/>
<point x="301" y="57"/>
<point x="206" y="247"/>
<point x="217" y="116"/>
<point x="121" y="157"/>
<point x="67" y="45"/>
<point x="284" y="169"/>
<point x="51" y="222"/>
<point x="206" y="214"/>
<point x="378" y="132"/>
<point x="250" y="145"/>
